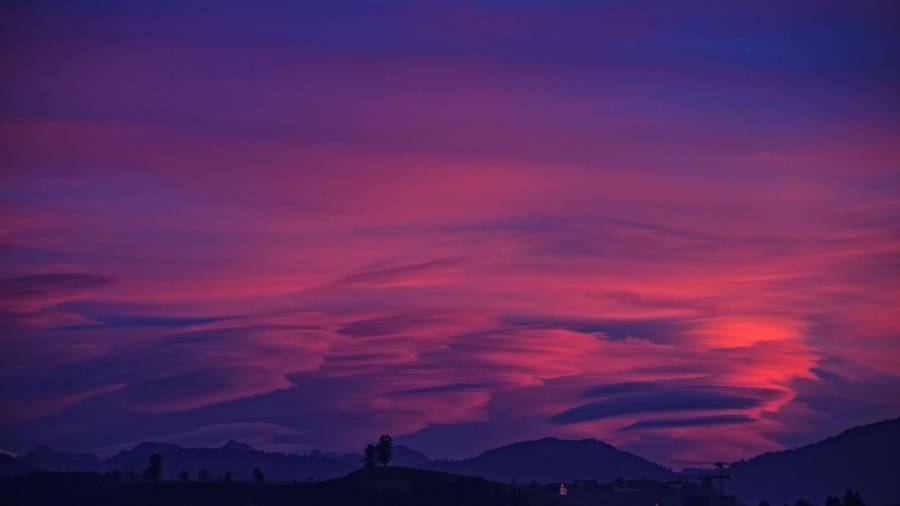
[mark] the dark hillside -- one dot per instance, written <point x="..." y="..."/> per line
<point x="863" y="458"/>
<point x="392" y="486"/>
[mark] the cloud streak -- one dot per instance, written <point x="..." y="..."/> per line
<point x="684" y="400"/>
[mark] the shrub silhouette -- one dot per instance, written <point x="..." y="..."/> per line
<point x="154" y="469"/>
<point x="258" y="476"/>
<point x="184" y="476"/>
<point x="370" y="457"/>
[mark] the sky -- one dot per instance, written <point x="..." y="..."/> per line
<point x="674" y="228"/>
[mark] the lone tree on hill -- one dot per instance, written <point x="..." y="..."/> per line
<point x="370" y="457"/>
<point x="384" y="449"/>
<point x="154" y="470"/>
<point x="258" y="476"/>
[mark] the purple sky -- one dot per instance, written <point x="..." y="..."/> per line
<point x="675" y="229"/>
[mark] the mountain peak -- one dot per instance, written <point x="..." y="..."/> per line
<point x="237" y="445"/>
<point x="154" y="447"/>
<point x="42" y="450"/>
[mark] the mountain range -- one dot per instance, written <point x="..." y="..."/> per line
<point x="863" y="458"/>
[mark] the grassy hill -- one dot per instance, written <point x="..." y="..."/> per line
<point x="395" y="486"/>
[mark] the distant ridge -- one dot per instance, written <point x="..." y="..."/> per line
<point x="864" y="458"/>
<point x="52" y="460"/>
<point x="544" y="460"/>
<point x="235" y="457"/>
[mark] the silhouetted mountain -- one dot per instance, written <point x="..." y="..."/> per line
<point x="863" y="458"/>
<point x="237" y="446"/>
<point x="237" y="458"/>
<point x="52" y="460"/>
<point x="407" y="457"/>
<point x="11" y="466"/>
<point x="552" y="460"/>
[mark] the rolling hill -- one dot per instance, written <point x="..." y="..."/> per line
<point x="552" y="460"/>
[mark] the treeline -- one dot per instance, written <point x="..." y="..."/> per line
<point x="154" y="471"/>
<point x="851" y="498"/>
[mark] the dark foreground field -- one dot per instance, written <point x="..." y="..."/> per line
<point x="395" y="486"/>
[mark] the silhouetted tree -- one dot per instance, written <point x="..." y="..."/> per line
<point x="852" y="498"/>
<point x="154" y="469"/>
<point x="385" y="449"/>
<point x="802" y="502"/>
<point x="369" y="458"/>
<point x="184" y="476"/>
<point x="832" y="501"/>
<point x="130" y="476"/>
<point x="203" y="475"/>
<point x="227" y="476"/>
<point x="258" y="476"/>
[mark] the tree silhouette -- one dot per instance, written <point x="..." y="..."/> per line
<point x="227" y="476"/>
<point x="832" y="501"/>
<point x="384" y="449"/>
<point x="370" y="457"/>
<point x="852" y="498"/>
<point x="258" y="476"/>
<point x="154" y="469"/>
<point x="184" y="476"/>
<point x="803" y="502"/>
